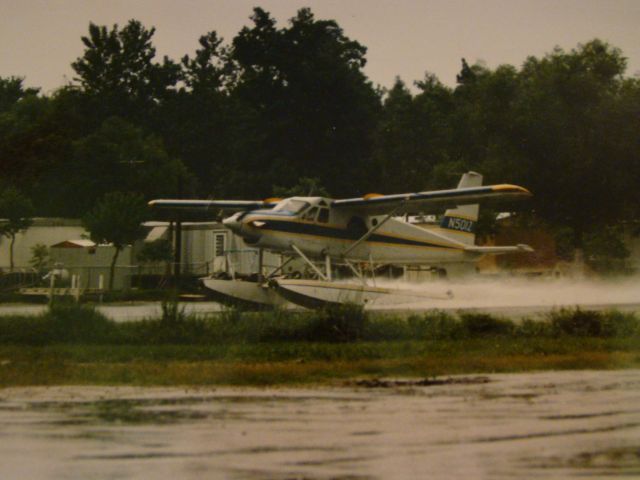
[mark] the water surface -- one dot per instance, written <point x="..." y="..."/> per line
<point x="544" y="425"/>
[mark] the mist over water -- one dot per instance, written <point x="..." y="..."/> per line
<point x="519" y="292"/>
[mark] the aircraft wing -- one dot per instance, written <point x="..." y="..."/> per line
<point x="433" y="201"/>
<point x="206" y="205"/>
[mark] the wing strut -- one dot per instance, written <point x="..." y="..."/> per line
<point x="363" y="238"/>
<point x="260" y="264"/>
<point x="280" y="268"/>
<point x="355" y="271"/>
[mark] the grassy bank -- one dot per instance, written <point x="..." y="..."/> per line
<point x="77" y="345"/>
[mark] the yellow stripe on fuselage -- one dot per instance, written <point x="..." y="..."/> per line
<point x="347" y="240"/>
<point x="341" y="228"/>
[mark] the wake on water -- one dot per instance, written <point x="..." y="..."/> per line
<point x="519" y="292"/>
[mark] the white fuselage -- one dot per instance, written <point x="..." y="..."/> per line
<point x="320" y="231"/>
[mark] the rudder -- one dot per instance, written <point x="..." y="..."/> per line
<point x="460" y="222"/>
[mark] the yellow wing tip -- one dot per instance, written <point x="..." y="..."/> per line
<point x="506" y="187"/>
<point x="369" y="196"/>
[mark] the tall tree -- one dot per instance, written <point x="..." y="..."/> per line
<point x="558" y="125"/>
<point x="209" y="70"/>
<point x="16" y="211"/>
<point x="22" y="137"/>
<point x="120" y="157"/>
<point x="414" y="134"/>
<point x="12" y="90"/>
<point x="563" y="131"/>
<point x="118" y="68"/>
<point x="306" y="187"/>
<point x="117" y="219"/>
<point x="315" y="109"/>
<point x="198" y="122"/>
<point x="36" y="146"/>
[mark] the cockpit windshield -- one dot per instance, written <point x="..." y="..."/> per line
<point x="291" y="205"/>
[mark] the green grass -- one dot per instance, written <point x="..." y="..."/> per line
<point x="295" y="363"/>
<point x="75" y="344"/>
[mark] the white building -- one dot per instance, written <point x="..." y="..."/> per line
<point x="209" y="247"/>
<point x="91" y="263"/>
<point x="43" y="231"/>
<point x="206" y="248"/>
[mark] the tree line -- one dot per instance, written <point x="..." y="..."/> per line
<point x="277" y="104"/>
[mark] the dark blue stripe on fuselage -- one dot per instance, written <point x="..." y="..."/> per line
<point x="341" y="233"/>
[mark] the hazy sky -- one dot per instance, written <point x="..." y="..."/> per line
<point x="40" y="38"/>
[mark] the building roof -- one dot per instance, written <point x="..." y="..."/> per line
<point x="80" y="243"/>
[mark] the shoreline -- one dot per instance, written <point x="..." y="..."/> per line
<point x="291" y="364"/>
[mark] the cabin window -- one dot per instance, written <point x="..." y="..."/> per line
<point x="323" y="215"/>
<point x="310" y="214"/>
<point x="290" y="205"/>
<point x="219" y="244"/>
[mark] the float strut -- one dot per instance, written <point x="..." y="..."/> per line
<point x="304" y="257"/>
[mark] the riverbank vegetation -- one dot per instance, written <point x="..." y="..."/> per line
<point x="73" y="344"/>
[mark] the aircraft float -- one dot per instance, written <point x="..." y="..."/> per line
<point x="354" y="232"/>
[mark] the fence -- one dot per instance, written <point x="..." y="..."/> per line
<point x="18" y="278"/>
<point x="97" y="277"/>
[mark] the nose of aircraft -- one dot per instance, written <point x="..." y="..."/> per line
<point x="233" y="223"/>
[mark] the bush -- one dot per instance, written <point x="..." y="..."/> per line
<point x="281" y="326"/>
<point x="339" y="323"/>
<point x="71" y="323"/>
<point x="23" y="330"/>
<point x="530" y="328"/>
<point x="74" y="323"/>
<point x="619" y="324"/>
<point x="580" y="323"/>
<point x="387" y="328"/>
<point x="484" y="325"/>
<point x="172" y="312"/>
<point x="436" y="325"/>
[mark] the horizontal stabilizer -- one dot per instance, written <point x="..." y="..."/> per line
<point x="521" y="247"/>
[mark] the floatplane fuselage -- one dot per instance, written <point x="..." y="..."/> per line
<point x="366" y="229"/>
<point x="309" y="225"/>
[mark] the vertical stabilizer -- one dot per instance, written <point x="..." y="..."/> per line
<point x="460" y="223"/>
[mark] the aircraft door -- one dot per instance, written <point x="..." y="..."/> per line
<point x="323" y="215"/>
<point x="356" y="227"/>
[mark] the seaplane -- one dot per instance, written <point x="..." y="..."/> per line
<point x="354" y="232"/>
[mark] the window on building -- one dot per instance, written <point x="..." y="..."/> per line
<point x="219" y="244"/>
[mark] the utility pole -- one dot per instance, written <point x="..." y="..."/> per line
<point x="177" y="253"/>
